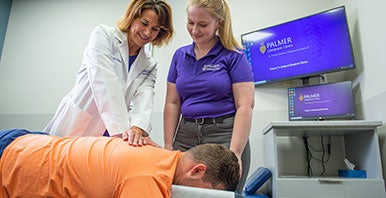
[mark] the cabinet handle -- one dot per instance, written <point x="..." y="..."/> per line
<point x="330" y="181"/>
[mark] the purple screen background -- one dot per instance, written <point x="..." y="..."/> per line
<point x="321" y="101"/>
<point x="316" y="44"/>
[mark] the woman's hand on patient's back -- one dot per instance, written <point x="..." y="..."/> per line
<point x="134" y="136"/>
<point x="150" y="142"/>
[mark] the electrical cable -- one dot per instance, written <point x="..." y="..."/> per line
<point x="323" y="165"/>
<point x="308" y="156"/>
<point x="323" y="151"/>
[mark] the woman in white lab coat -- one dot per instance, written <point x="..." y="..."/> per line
<point x="114" y="87"/>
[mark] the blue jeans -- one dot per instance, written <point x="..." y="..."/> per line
<point x="8" y="136"/>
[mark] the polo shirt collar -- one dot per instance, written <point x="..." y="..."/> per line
<point x="215" y="50"/>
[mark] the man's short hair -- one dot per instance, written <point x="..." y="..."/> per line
<point x="222" y="164"/>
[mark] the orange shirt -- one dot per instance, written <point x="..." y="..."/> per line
<point x="92" y="167"/>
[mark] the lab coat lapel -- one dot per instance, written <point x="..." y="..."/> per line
<point x="123" y="47"/>
<point x="140" y="64"/>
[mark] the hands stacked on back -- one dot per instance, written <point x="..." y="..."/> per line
<point x="135" y="136"/>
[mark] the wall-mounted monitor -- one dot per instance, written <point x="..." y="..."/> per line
<point x="321" y="102"/>
<point x="305" y="47"/>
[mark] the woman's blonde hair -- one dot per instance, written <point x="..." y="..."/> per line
<point x="220" y="10"/>
<point x="160" y="7"/>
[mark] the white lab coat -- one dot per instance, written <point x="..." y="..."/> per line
<point x="106" y="95"/>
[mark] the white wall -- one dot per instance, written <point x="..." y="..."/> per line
<point x="370" y="76"/>
<point x="45" y="40"/>
<point x="43" y="50"/>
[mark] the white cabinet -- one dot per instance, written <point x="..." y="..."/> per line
<point x="297" y="175"/>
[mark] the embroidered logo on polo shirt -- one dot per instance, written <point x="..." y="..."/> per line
<point x="211" y="67"/>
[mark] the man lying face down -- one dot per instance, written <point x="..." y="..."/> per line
<point x="33" y="164"/>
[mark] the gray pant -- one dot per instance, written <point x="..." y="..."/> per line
<point x="190" y="134"/>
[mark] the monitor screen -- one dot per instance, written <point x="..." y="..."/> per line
<point x="321" y="102"/>
<point x="305" y="47"/>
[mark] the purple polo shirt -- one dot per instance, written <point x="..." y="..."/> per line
<point x="205" y="86"/>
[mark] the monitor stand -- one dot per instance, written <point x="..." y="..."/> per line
<point x="321" y="79"/>
<point x="305" y="81"/>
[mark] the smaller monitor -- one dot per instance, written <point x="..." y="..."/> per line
<point x="321" y="102"/>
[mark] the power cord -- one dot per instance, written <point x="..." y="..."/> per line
<point x="308" y="156"/>
<point x="323" y="150"/>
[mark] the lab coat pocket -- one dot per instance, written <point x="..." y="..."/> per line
<point x="72" y="121"/>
